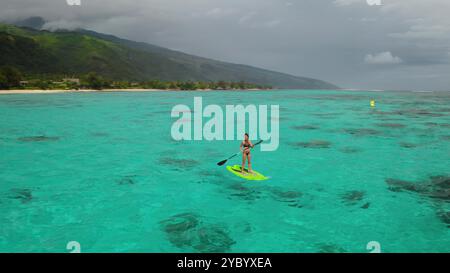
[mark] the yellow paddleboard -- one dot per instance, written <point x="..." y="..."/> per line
<point x="236" y="169"/>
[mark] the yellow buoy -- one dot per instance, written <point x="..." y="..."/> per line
<point x="372" y="103"/>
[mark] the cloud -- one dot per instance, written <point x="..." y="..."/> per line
<point x="219" y="12"/>
<point x="346" y="2"/>
<point x="425" y="20"/>
<point x="61" y="24"/>
<point x="425" y="32"/>
<point x="271" y="23"/>
<point x="247" y="17"/>
<point x="250" y="19"/>
<point x="382" y="58"/>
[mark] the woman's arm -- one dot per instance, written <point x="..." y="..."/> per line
<point x="251" y="144"/>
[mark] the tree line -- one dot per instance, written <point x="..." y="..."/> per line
<point x="12" y="78"/>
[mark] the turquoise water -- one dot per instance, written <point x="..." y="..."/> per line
<point x="102" y="169"/>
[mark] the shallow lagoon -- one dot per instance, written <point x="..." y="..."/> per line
<point x="102" y="169"/>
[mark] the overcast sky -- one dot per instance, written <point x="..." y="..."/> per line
<point x="402" y="44"/>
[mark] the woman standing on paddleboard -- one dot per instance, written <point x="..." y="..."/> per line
<point x="245" y="149"/>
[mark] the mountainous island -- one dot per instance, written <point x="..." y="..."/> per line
<point x="53" y="55"/>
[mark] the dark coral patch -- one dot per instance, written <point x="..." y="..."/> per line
<point x="180" y="223"/>
<point x="397" y="185"/>
<point x="99" y="134"/>
<point x="444" y="216"/>
<point x="436" y="187"/>
<point x="212" y="174"/>
<point x="285" y="196"/>
<point x="408" y="145"/>
<point x="440" y="187"/>
<point x="292" y="198"/>
<point x="391" y="125"/>
<point x="441" y="181"/>
<point x="331" y="248"/>
<point x="313" y="144"/>
<point x="431" y="124"/>
<point x="412" y="112"/>
<point x="352" y="197"/>
<point x="350" y="150"/>
<point x="24" y="195"/>
<point x="326" y="115"/>
<point x="419" y="112"/>
<point x="213" y="239"/>
<point x="362" y="132"/>
<point x="37" y="139"/>
<point x="127" y="180"/>
<point x="188" y="231"/>
<point x="178" y="163"/>
<point x="305" y="127"/>
<point x="240" y="191"/>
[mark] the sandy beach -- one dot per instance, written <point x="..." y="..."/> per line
<point x="23" y="91"/>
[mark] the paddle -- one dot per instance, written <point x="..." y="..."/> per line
<point x="225" y="161"/>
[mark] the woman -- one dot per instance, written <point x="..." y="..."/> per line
<point x="245" y="149"/>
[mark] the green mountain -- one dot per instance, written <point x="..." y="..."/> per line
<point x="40" y="52"/>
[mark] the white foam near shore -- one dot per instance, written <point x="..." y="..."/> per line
<point x="26" y="91"/>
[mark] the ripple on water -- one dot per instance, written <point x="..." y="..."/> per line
<point x="99" y="134"/>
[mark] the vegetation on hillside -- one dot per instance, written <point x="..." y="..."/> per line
<point x="11" y="78"/>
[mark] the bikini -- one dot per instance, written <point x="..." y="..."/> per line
<point x="246" y="145"/>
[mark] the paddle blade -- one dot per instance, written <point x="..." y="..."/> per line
<point x="222" y="162"/>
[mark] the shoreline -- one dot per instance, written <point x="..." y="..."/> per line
<point x="56" y="91"/>
<point x="38" y="91"/>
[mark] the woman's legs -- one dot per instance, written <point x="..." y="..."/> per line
<point x="244" y="157"/>
<point x="249" y="158"/>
